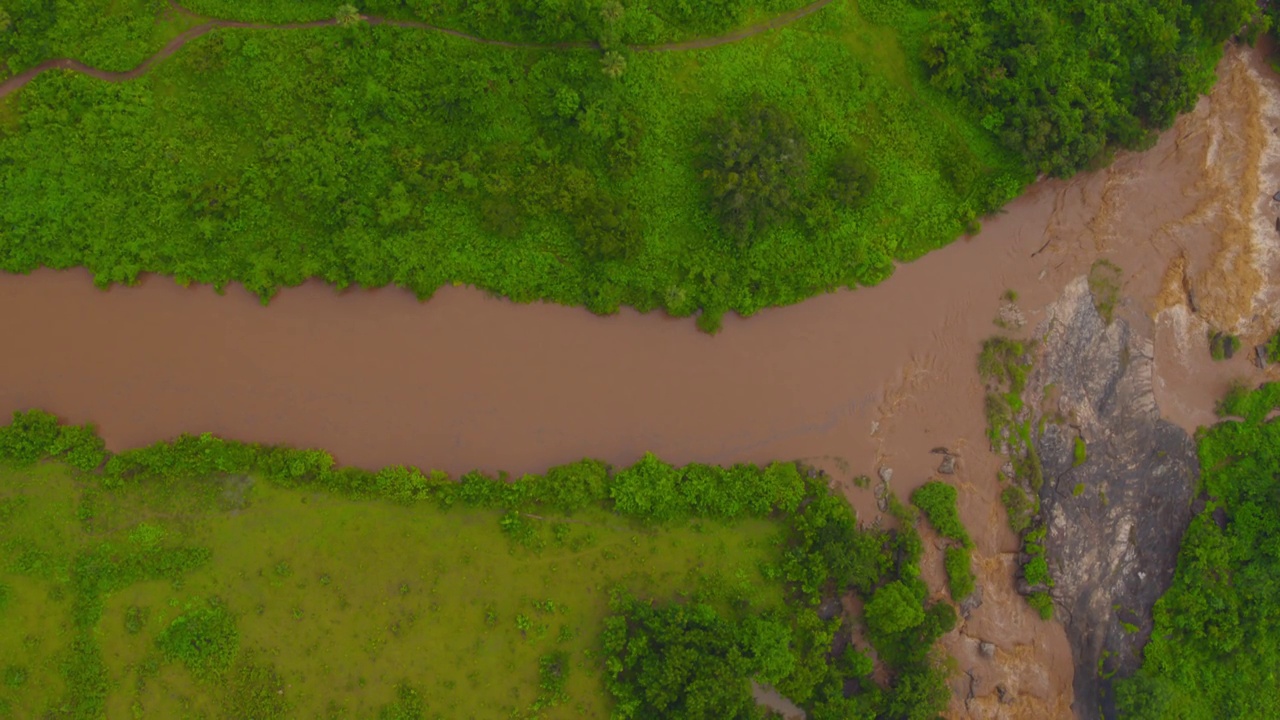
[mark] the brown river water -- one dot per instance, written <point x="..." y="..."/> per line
<point x="851" y="382"/>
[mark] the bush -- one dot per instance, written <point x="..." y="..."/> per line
<point x="893" y="609"/>
<point x="937" y="500"/>
<point x="1042" y="604"/>
<point x="1079" y="452"/>
<point x="959" y="568"/>
<point x="205" y="640"/>
<point x="1018" y="507"/>
<point x="687" y="661"/>
<point x="1222" y="346"/>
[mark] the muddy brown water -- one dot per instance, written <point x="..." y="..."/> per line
<point x="851" y="381"/>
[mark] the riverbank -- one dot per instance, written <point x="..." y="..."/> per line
<point x="850" y="382"/>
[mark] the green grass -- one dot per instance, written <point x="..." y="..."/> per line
<point x="1105" y="278"/>
<point x="340" y="601"/>
<point x="205" y="576"/>
<point x="377" y="156"/>
<point x="1079" y="452"/>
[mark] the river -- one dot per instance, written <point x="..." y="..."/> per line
<point x="851" y="381"/>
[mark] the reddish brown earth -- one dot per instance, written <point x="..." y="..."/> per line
<point x="851" y="381"/>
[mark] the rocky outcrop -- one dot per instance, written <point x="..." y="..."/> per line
<point x="1115" y="507"/>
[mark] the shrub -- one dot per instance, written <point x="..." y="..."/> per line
<point x="1042" y="603"/>
<point x="893" y="609"/>
<point x="1079" y="452"/>
<point x="938" y="502"/>
<point x="205" y="640"/>
<point x="1018" y="507"/>
<point x="959" y="568"/>
<point x="1036" y="571"/>
<point x="1104" y="286"/>
<point x="1222" y="346"/>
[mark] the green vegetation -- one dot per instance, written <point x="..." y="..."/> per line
<point x="1222" y="346"/>
<point x="698" y="181"/>
<point x="375" y="155"/>
<point x="1042" y="603"/>
<point x="1272" y="348"/>
<point x="609" y="22"/>
<point x="204" y="639"/>
<point x="1104" y="287"/>
<point x="937" y="500"/>
<point x="1004" y="366"/>
<point x="163" y="582"/>
<point x="1215" y="645"/>
<point x="959" y="567"/>
<point x="107" y="34"/>
<point x="1047" y="81"/>
<point x="1079" y="452"/>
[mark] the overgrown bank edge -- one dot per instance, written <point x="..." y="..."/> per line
<point x="1216" y="643"/>
<point x="752" y="175"/>
<point x="824" y="554"/>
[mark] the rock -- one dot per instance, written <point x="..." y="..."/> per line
<point x="948" y="466"/>
<point x="886" y="474"/>
<point x="1276" y="197"/>
<point x="1011" y="317"/>
<point x="1278" y="224"/>
<point x="1005" y="695"/>
<point x="971" y="603"/>
<point x="1260" y="356"/>
<point x="987" y="649"/>
<point x="1141" y="479"/>
<point x="1191" y="301"/>
<point x="940" y="451"/>
<point x="830" y="608"/>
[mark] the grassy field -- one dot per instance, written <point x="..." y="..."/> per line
<point x="208" y="578"/>
<point x="339" y="603"/>
<point x="379" y="155"/>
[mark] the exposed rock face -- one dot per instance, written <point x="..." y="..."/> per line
<point x="1115" y="521"/>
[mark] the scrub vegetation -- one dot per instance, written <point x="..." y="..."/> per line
<point x="698" y="180"/>
<point x="1004" y="366"/>
<point x="937" y="500"/>
<point x="1215" y="645"/>
<point x="200" y="577"/>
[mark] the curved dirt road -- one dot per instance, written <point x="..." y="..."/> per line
<point x="16" y="82"/>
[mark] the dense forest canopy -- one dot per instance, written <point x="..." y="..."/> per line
<point x="733" y="178"/>
<point x="1216" y="643"/>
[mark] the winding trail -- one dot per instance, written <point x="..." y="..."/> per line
<point x="16" y="82"/>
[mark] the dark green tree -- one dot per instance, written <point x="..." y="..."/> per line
<point x="755" y="169"/>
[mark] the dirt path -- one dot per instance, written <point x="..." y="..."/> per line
<point x="16" y="82"/>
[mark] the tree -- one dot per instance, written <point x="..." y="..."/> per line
<point x="894" y="609"/>
<point x="687" y="662"/>
<point x="755" y="169"/>
<point x="613" y="64"/>
<point x="347" y="16"/>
